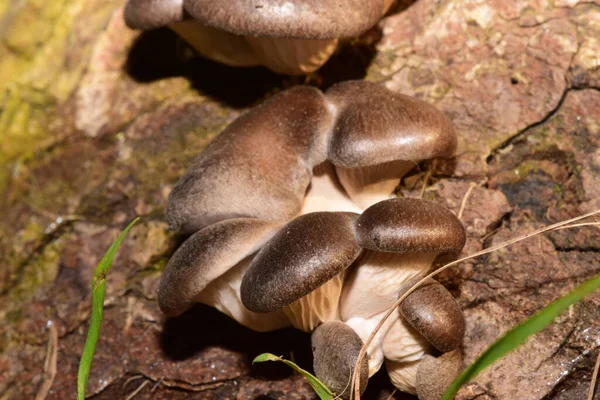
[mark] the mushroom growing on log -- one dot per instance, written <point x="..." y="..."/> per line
<point x="289" y="37"/>
<point x="280" y="238"/>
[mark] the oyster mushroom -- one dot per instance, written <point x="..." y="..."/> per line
<point x="309" y="253"/>
<point x="430" y="317"/>
<point x="275" y="207"/>
<point x="208" y="268"/>
<point x="291" y="37"/>
<point x="335" y="352"/>
<point x="258" y="167"/>
<point x="378" y="136"/>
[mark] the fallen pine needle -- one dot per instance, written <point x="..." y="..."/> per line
<point x="594" y="378"/>
<point x="49" y="364"/>
<point x="136" y="391"/>
<point x="363" y="351"/>
<point x="392" y="395"/>
<point x="425" y="181"/>
<point x="463" y="203"/>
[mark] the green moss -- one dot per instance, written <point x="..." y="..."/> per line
<point x="32" y="232"/>
<point x="527" y="167"/>
<point x="42" y="269"/>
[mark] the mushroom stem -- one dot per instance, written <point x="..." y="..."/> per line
<point x="377" y="278"/>
<point x="404" y="375"/>
<point x="403" y="343"/>
<point x="216" y="44"/>
<point x="372" y="184"/>
<point x="224" y="295"/>
<point x="317" y="307"/>
<point x="364" y="328"/>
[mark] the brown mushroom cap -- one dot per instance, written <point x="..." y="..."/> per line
<point x="410" y="225"/>
<point x="205" y="256"/>
<point x="258" y="167"/>
<point x="432" y="311"/>
<point x="434" y="375"/>
<point x="300" y="19"/>
<point x="302" y="256"/>
<point x="150" y="14"/>
<point x="375" y="125"/>
<point x="335" y="351"/>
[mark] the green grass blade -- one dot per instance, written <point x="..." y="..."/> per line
<point x="319" y="387"/>
<point x="98" y="291"/>
<point x="519" y="334"/>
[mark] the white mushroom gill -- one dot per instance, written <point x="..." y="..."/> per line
<point x="224" y="295"/>
<point x="325" y="192"/>
<point x="216" y="44"/>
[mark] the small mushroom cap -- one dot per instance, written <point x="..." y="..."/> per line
<point x="258" y="167"/>
<point x="302" y="256"/>
<point x="205" y="256"/>
<point x="150" y="14"/>
<point x="300" y="19"/>
<point x="432" y="311"/>
<point x="410" y="225"/>
<point x="375" y="125"/>
<point x="335" y="351"/>
<point x="434" y="375"/>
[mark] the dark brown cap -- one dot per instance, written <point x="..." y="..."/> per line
<point x="258" y="167"/>
<point x="410" y="225"/>
<point x="150" y="14"/>
<point x="375" y="125"/>
<point x="335" y="352"/>
<point x="205" y="256"/>
<point x="300" y="19"/>
<point x="302" y="256"/>
<point x="432" y="311"/>
<point x="435" y="375"/>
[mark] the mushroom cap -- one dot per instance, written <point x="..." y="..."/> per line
<point x="410" y="225"/>
<point x="375" y="125"/>
<point x="258" y="167"/>
<point x="205" y="256"/>
<point x="150" y="14"/>
<point x="302" y="256"/>
<point x="300" y="19"/>
<point x="335" y="350"/>
<point x="434" y="375"/>
<point x="434" y="313"/>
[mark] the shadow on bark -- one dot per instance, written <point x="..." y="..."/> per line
<point x="158" y="54"/>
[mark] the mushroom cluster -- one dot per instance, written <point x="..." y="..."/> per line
<point x="294" y="222"/>
<point x="287" y="36"/>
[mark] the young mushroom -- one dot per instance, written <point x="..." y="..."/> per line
<point x="290" y="37"/>
<point x="274" y="208"/>
<point x="435" y="319"/>
<point x="335" y="353"/>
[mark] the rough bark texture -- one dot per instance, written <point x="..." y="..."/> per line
<point x="98" y="122"/>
